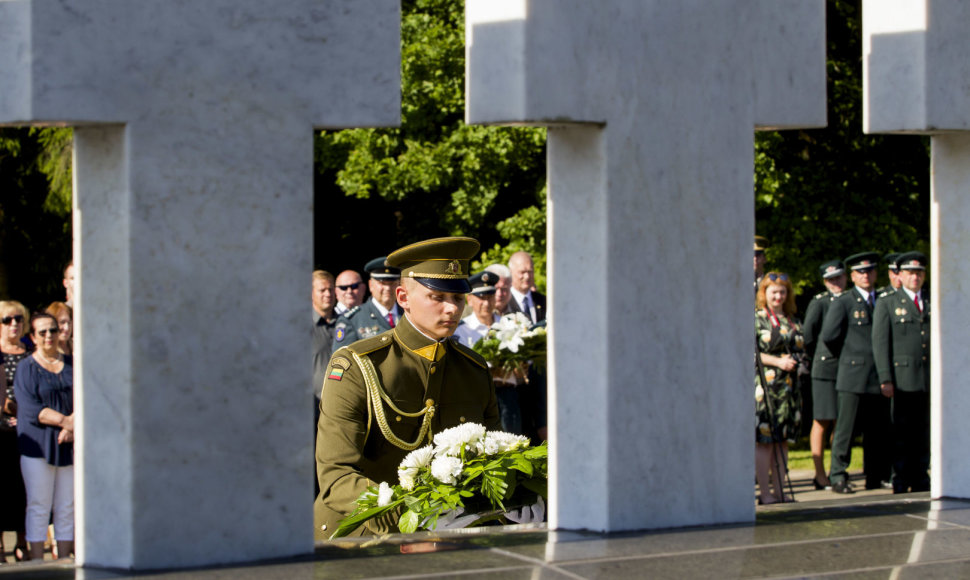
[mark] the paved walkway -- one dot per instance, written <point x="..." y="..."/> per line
<point x="871" y="534"/>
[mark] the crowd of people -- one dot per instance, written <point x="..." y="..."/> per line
<point x="861" y="358"/>
<point x="37" y="426"/>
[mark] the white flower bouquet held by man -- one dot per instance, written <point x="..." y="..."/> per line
<point x="482" y="474"/>
<point x="512" y="342"/>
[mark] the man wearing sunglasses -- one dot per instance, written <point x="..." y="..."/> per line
<point x="350" y="291"/>
<point x="847" y="333"/>
<point x="378" y="314"/>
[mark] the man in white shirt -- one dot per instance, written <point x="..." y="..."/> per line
<point x="350" y="291"/>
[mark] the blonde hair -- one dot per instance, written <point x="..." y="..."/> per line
<point x="780" y="280"/>
<point x="13" y="304"/>
<point x="57" y="308"/>
<point x="323" y="275"/>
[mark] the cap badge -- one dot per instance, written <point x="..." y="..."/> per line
<point x="830" y="269"/>
<point x="914" y="262"/>
<point x="454" y="267"/>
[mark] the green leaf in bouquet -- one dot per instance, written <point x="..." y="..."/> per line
<point x="354" y="521"/>
<point x="537" y="452"/>
<point x="465" y="493"/>
<point x="523" y="465"/>
<point x="408" y="522"/>
<point x="539" y="485"/>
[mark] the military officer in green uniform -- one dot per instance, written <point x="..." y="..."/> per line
<point x="901" y="346"/>
<point x="389" y="394"/>
<point x="825" y="365"/>
<point x="378" y="314"/>
<point x="847" y="333"/>
<point x="893" y="270"/>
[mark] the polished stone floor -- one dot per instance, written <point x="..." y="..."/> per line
<point x="868" y="535"/>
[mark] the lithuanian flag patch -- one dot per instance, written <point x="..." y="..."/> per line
<point x="335" y="374"/>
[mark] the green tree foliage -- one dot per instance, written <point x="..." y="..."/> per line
<point x="434" y="175"/>
<point x="35" y="214"/>
<point x="829" y="193"/>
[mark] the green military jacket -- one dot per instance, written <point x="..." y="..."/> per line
<point x="416" y="373"/>
<point x="825" y="365"/>
<point x="901" y="342"/>
<point x="847" y="333"/>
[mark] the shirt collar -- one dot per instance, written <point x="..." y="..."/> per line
<point x="863" y="293"/>
<point x="519" y="295"/>
<point x="418" y="342"/>
<point x="910" y="293"/>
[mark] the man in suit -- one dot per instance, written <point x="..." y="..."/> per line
<point x="524" y="299"/>
<point x="532" y="395"/>
<point x="892" y="269"/>
<point x="378" y="314"/>
<point x="825" y="365"/>
<point x="847" y="333"/>
<point x="901" y="347"/>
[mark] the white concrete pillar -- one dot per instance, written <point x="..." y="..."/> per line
<point x="652" y="107"/>
<point x="193" y="193"/>
<point x="916" y="67"/>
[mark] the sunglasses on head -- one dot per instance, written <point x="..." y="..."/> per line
<point x="346" y="287"/>
<point x="45" y="331"/>
<point x="14" y="318"/>
<point x="773" y="277"/>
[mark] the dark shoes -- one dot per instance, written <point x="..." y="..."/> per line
<point x="879" y="485"/>
<point x="820" y="486"/>
<point x="842" y="487"/>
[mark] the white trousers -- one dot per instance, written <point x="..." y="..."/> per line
<point x="48" y="487"/>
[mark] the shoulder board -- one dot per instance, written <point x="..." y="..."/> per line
<point x="350" y="313"/>
<point x="886" y="292"/>
<point x="471" y="354"/>
<point x="822" y="295"/>
<point x="369" y="345"/>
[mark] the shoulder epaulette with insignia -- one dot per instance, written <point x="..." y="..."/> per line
<point x="474" y="356"/>
<point x="369" y="345"/>
<point x="886" y="292"/>
<point x="821" y="295"/>
<point x="350" y="313"/>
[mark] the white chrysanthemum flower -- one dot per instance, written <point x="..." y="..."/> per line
<point x="418" y="458"/>
<point x="406" y="477"/>
<point x="407" y="471"/>
<point x="450" y="441"/>
<point x="446" y="469"/>
<point x="384" y="494"/>
<point x="500" y="442"/>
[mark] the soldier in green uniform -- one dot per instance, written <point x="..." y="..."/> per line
<point x="893" y="271"/>
<point x="389" y="394"/>
<point x="901" y="346"/>
<point x="824" y="365"/>
<point x="378" y="314"/>
<point x="847" y="333"/>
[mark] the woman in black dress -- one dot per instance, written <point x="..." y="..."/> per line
<point x="13" y="325"/>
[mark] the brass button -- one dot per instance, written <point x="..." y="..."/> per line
<point x="924" y="358"/>
<point x="432" y="370"/>
<point x="398" y="418"/>
<point x="383" y="339"/>
<point x="462" y="419"/>
<point x="429" y="403"/>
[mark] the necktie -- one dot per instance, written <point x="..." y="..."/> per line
<point x="527" y="307"/>
<point x="390" y="318"/>
<point x="871" y="301"/>
<point x="916" y="302"/>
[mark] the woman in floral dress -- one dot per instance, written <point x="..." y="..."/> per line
<point x="780" y="346"/>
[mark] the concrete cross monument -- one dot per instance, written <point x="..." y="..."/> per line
<point x="193" y="181"/>
<point x="651" y="107"/>
<point x="916" y="66"/>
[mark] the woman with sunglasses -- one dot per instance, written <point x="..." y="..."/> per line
<point x="778" y="402"/>
<point x="45" y="435"/>
<point x="13" y="499"/>
<point x="65" y="317"/>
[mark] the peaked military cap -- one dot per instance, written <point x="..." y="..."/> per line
<point x="439" y="264"/>
<point x="831" y="269"/>
<point x="379" y="270"/>
<point x="911" y="261"/>
<point x="760" y="243"/>
<point x="483" y="283"/>
<point x="890" y="260"/>
<point x="863" y="261"/>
